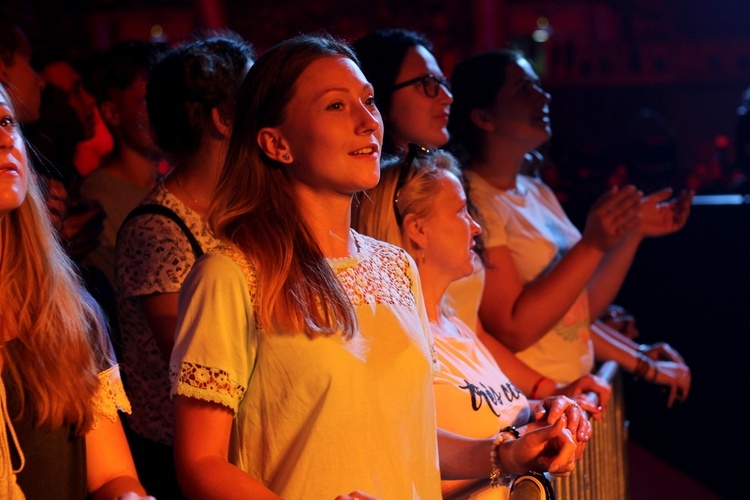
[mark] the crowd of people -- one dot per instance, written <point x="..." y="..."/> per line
<point x="324" y="271"/>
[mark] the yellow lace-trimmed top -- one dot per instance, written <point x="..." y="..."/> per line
<point x="297" y="400"/>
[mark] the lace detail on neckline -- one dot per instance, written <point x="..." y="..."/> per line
<point x="381" y="275"/>
<point x="349" y="260"/>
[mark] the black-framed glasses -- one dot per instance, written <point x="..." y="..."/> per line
<point x="415" y="151"/>
<point x="430" y="83"/>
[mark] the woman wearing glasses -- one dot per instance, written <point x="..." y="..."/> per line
<point x="546" y="282"/>
<point x="414" y="99"/>
<point x="302" y="365"/>
<point x="412" y="94"/>
<point x="419" y="205"/>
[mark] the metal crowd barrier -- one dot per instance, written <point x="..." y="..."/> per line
<point x="602" y="473"/>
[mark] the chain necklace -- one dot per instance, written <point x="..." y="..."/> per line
<point x="197" y="203"/>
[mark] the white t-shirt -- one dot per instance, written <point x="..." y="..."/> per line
<point x="317" y="418"/>
<point x="531" y="223"/>
<point x="473" y="396"/>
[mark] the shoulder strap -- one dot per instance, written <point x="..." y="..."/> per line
<point x="153" y="208"/>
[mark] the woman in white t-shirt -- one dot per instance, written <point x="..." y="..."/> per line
<point x="546" y="283"/>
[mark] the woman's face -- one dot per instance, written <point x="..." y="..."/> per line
<point x="13" y="167"/>
<point x="520" y="111"/>
<point x="414" y="116"/>
<point x="333" y="129"/>
<point x="450" y="230"/>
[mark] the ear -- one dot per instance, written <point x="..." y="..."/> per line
<point x="223" y="125"/>
<point x="413" y="232"/>
<point x="110" y="114"/>
<point x="273" y="144"/>
<point x="482" y="119"/>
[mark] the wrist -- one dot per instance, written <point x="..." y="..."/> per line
<point x="497" y="476"/>
<point x="543" y="387"/>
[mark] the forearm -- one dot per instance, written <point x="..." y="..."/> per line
<point x="118" y="486"/>
<point x="529" y="381"/>
<point x="616" y="335"/>
<point x="519" y="314"/>
<point x="462" y="457"/>
<point x="608" y="347"/>
<point x="201" y="445"/>
<point x="215" y="478"/>
<point x="606" y="281"/>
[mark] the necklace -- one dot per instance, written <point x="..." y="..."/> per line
<point x="197" y="203"/>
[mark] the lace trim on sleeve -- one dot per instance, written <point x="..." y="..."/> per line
<point x="110" y="397"/>
<point x="207" y="384"/>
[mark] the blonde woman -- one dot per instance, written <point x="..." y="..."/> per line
<point x="419" y="204"/>
<point x="62" y="385"/>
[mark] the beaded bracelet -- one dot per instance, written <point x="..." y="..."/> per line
<point x="497" y="478"/>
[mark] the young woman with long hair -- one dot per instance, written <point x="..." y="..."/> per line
<point x="303" y="364"/>
<point x="62" y="389"/>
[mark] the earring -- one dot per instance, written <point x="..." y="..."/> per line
<point x="287" y="157"/>
<point x="422" y="258"/>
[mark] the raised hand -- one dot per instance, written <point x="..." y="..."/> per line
<point x="661" y="215"/>
<point x="613" y="215"/>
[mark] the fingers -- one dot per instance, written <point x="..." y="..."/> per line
<point x="563" y="462"/>
<point x="612" y="216"/>
<point x="661" y="195"/>
<point x="356" y="495"/>
<point x="679" y="382"/>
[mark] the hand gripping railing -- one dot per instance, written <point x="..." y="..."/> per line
<point x="602" y="471"/>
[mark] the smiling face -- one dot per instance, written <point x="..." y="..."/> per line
<point x="13" y="167"/>
<point x="333" y="129"/>
<point x="414" y="116"/>
<point x="450" y="231"/>
<point x="520" y="110"/>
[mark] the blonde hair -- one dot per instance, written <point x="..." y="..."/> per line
<point x="59" y="345"/>
<point x="253" y="208"/>
<point x="373" y="213"/>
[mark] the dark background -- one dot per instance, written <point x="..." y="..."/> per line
<point x="603" y="61"/>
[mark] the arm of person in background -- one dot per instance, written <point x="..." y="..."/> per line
<point x="161" y="313"/>
<point x="658" y="351"/>
<point x="536" y="386"/>
<point x="519" y="315"/>
<point x="658" y="216"/>
<point x="620" y="319"/>
<point x="610" y="345"/>
<point x="110" y="469"/>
